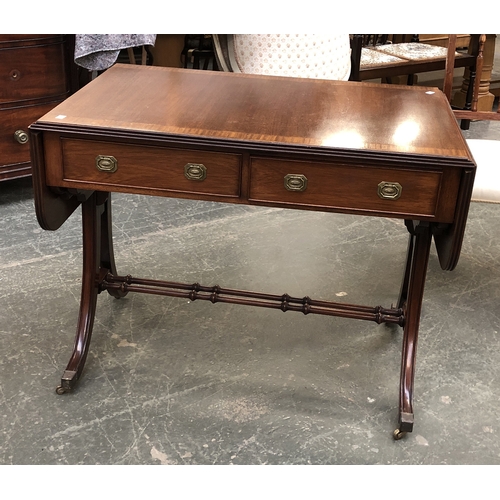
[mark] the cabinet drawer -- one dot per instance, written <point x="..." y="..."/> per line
<point x="14" y="150"/>
<point x="32" y="72"/>
<point x="387" y="191"/>
<point x="107" y="165"/>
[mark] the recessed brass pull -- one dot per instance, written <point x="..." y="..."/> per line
<point x="195" y="171"/>
<point x="106" y="163"/>
<point x="295" y="182"/>
<point x="21" y="136"/>
<point x="389" y="190"/>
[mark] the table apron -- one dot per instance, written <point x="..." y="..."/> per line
<point x="376" y="188"/>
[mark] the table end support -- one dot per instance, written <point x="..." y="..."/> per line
<point x="97" y="260"/>
<point x="413" y="292"/>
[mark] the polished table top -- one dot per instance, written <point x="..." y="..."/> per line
<point x="346" y="132"/>
<point x="294" y="111"/>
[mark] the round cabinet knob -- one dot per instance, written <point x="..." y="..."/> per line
<point x="21" y="136"/>
<point x="14" y="75"/>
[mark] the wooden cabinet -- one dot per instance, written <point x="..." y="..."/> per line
<point x="34" y="77"/>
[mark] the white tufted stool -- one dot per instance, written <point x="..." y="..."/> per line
<point x="306" y="56"/>
<point x="486" y="153"/>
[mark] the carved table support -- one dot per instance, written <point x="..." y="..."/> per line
<point x="99" y="274"/>
<point x="98" y="260"/>
<point x="412" y="292"/>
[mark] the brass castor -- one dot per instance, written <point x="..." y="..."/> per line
<point x="60" y="390"/>
<point x="397" y="434"/>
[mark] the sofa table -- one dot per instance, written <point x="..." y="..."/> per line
<point x="348" y="147"/>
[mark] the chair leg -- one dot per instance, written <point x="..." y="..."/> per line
<point x="465" y="124"/>
<point x="131" y="56"/>
<point x="475" y="73"/>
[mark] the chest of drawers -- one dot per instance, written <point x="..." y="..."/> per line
<point x="34" y="77"/>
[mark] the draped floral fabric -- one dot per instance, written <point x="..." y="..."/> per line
<point x="99" y="52"/>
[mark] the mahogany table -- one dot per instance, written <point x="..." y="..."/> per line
<point x="355" y="148"/>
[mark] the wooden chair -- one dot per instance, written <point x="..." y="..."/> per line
<point x="485" y="152"/>
<point x="387" y="56"/>
<point x="306" y="56"/>
<point x="198" y="48"/>
<point x="471" y="112"/>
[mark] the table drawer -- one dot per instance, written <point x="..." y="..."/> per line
<point x="388" y="191"/>
<point x="108" y="166"/>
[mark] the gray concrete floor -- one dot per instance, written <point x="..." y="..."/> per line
<point x="173" y="382"/>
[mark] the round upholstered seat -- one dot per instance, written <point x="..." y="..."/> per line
<point x="486" y="153"/>
<point x="305" y="56"/>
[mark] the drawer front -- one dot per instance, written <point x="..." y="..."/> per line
<point x="32" y="72"/>
<point x="103" y="165"/>
<point x="386" y="191"/>
<point x="14" y="124"/>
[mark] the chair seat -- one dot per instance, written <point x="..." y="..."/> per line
<point x="413" y="51"/>
<point x="406" y="58"/>
<point x="486" y="153"/>
<point x="371" y="57"/>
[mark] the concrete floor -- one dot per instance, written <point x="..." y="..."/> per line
<point x="173" y="382"/>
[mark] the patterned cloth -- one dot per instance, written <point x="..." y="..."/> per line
<point x="372" y="57"/>
<point x="99" y="52"/>
<point x="415" y="51"/>
<point x="306" y="56"/>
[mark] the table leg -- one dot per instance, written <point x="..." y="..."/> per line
<point x="98" y="259"/>
<point x="107" y="255"/>
<point x="418" y="257"/>
<point x="403" y="293"/>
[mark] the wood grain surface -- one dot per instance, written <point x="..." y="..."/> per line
<point x="280" y="110"/>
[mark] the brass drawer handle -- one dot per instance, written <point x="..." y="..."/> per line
<point x="389" y="190"/>
<point x="295" y="182"/>
<point x="21" y="136"/>
<point x="106" y="163"/>
<point x="195" y="171"/>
